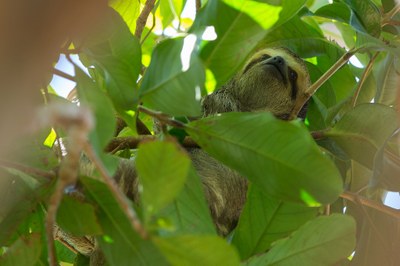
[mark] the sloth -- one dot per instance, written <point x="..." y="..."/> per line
<point x="270" y="81"/>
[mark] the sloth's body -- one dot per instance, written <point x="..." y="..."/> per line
<point x="270" y="81"/>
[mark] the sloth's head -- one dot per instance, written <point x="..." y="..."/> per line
<point x="271" y="81"/>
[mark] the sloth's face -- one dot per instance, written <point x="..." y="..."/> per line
<point x="271" y="81"/>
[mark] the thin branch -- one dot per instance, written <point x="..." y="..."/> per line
<point x="370" y="203"/>
<point x="389" y="15"/>
<point x="363" y="78"/>
<point x="150" y="30"/>
<point x="141" y="21"/>
<point x="120" y="143"/>
<point x="198" y="6"/>
<point x="71" y="51"/>
<point x="53" y="205"/>
<point x="163" y="118"/>
<point x="49" y="175"/>
<point x="119" y="196"/>
<point x="63" y="75"/>
<point x="318" y="134"/>
<point x="302" y="99"/>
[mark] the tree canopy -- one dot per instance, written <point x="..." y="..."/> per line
<point x="316" y="187"/>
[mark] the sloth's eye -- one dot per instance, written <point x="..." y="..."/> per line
<point x="292" y="75"/>
<point x="265" y="57"/>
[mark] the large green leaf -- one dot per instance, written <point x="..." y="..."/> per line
<point x="116" y="55"/>
<point x="25" y="251"/>
<point x="239" y="26"/>
<point x="323" y="241"/>
<point x="23" y="202"/>
<point x="90" y="95"/>
<point x="170" y="10"/>
<point x="368" y="43"/>
<point x="129" y="11"/>
<point x="278" y="156"/>
<point x="197" y="250"/>
<point x="77" y="217"/>
<point x="120" y="244"/>
<point x="387" y="80"/>
<point x="264" y="220"/>
<point x="341" y="12"/>
<point x="368" y="13"/>
<point x="174" y="80"/>
<point x="189" y="213"/>
<point x="64" y="254"/>
<point x="363" y="130"/>
<point x="162" y="167"/>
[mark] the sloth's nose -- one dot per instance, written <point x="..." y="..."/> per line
<point x="278" y="60"/>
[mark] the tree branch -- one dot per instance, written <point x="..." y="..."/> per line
<point x="120" y="143"/>
<point x="141" y="21"/>
<point x="163" y="118"/>
<point x="370" y="203"/>
<point x="302" y="99"/>
<point x="49" y="175"/>
<point x="198" y="5"/>
<point x="63" y="75"/>
<point x="150" y="30"/>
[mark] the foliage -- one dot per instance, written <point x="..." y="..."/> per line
<point x="295" y="179"/>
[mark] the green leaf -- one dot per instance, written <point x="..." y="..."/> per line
<point x="129" y="11"/>
<point x="174" y="79"/>
<point x="115" y="53"/>
<point x="162" y="167"/>
<point x="239" y="26"/>
<point x="264" y="220"/>
<point x="22" y="201"/>
<point x="363" y="130"/>
<point x="64" y="254"/>
<point x="341" y="12"/>
<point x="120" y="244"/>
<point x="189" y="212"/>
<point x="25" y="251"/>
<point x="273" y="154"/>
<point x="105" y="120"/>
<point x="369" y="43"/>
<point x="322" y="241"/>
<point x="388" y="78"/>
<point x="77" y="217"/>
<point x="90" y="95"/>
<point x="197" y="250"/>
<point x="81" y="260"/>
<point x="368" y="13"/>
<point x="171" y="10"/>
